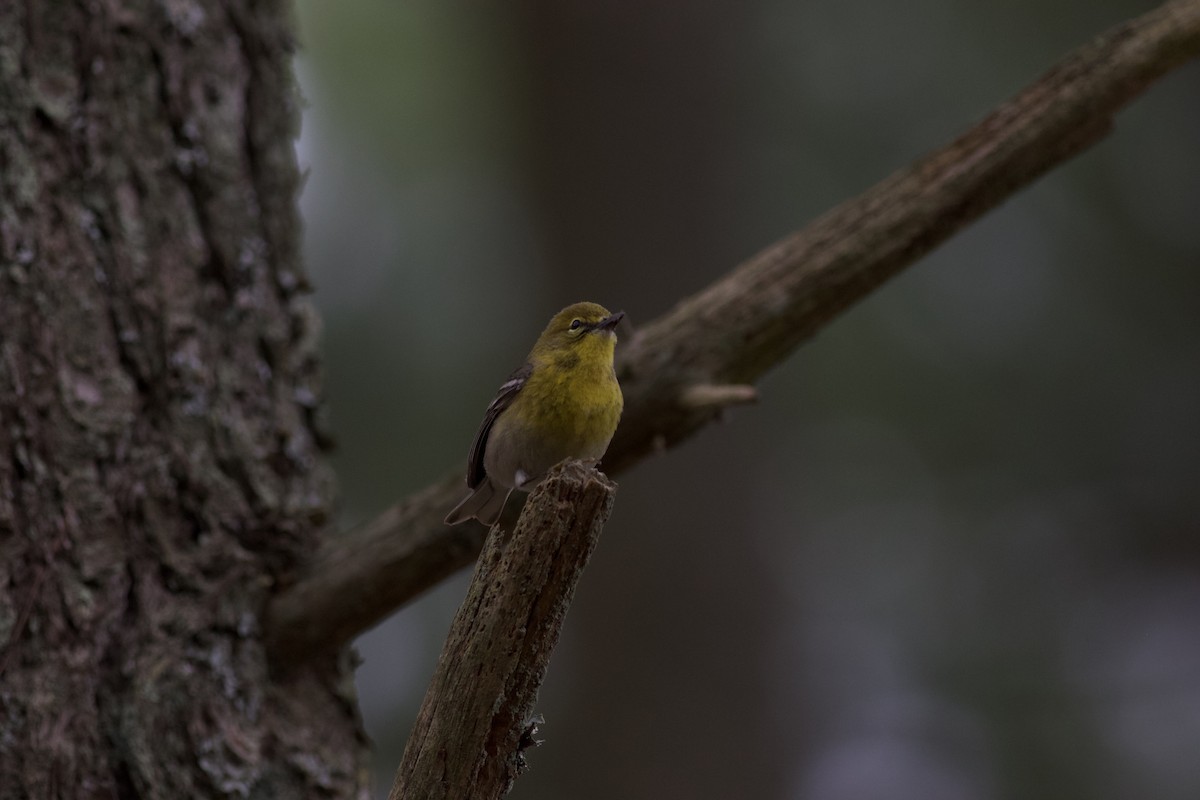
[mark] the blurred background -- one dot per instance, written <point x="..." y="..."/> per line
<point x="953" y="553"/>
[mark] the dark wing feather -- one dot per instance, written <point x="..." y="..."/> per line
<point x="504" y="397"/>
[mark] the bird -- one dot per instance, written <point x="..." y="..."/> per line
<point x="563" y="402"/>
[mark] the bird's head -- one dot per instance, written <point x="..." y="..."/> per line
<point x="579" y="328"/>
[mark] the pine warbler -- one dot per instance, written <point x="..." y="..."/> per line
<point x="564" y="402"/>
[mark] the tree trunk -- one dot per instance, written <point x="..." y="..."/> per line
<point x="160" y="454"/>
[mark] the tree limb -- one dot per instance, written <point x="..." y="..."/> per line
<point x="477" y="716"/>
<point x="679" y="370"/>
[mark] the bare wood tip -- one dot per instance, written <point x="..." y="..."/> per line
<point x="717" y="396"/>
<point x="574" y="470"/>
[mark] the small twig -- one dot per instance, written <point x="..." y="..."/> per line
<point x="750" y="320"/>
<point x="716" y="397"/>
<point x="477" y="717"/>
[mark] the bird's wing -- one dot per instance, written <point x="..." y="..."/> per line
<point x="504" y="398"/>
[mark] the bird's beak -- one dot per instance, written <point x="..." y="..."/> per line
<point x="610" y="322"/>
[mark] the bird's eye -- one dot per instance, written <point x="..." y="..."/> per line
<point x="575" y="323"/>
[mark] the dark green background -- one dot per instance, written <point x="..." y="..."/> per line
<point x="955" y="550"/>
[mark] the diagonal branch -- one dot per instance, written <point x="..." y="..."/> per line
<point x="681" y="369"/>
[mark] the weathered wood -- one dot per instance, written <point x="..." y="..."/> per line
<point x="478" y="714"/>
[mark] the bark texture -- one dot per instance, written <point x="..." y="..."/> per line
<point x="160" y="461"/>
<point x="477" y="717"/>
<point x="681" y="370"/>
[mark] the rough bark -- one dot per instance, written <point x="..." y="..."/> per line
<point x="477" y="717"/>
<point x="160" y="464"/>
<point x="683" y="368"/>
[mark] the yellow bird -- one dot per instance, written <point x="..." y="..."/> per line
<point x="564" y="402"/>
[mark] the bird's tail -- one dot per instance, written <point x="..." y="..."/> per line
<point x="484" y="504"/>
